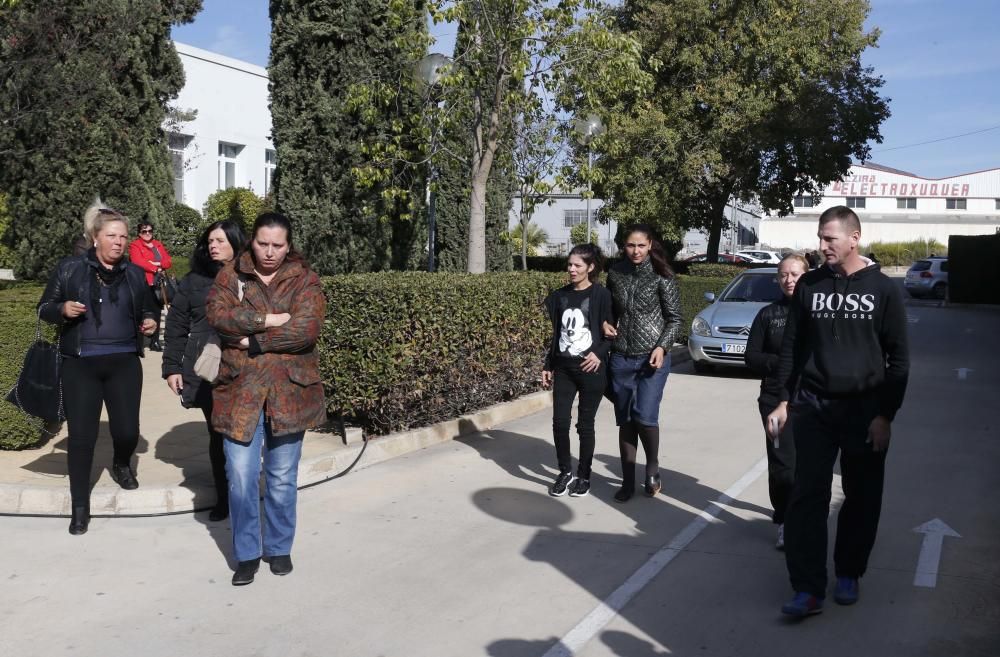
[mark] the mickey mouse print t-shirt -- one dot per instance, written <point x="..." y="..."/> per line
<point x="575" y="338"/>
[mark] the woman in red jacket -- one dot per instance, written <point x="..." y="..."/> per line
<point x="152" y="257"/>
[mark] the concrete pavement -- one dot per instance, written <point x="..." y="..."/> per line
<point x="457" y="550"/>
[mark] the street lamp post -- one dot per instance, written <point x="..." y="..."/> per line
<point x="429" y="71"/>
<point x="587" y="128"/>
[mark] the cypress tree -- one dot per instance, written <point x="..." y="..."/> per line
<point x="320" y="51"/>
<point x="83" y="94"/>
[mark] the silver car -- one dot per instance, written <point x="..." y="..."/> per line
<point x="928" y="277"/>
<point x="719" y="332"/>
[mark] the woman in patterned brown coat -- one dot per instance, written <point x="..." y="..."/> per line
<point x="268" y="309"/>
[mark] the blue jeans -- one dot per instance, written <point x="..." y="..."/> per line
<point x="637" y="388"/>
<point x="281" y="470"/>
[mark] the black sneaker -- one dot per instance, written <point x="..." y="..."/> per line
<point x="580" y="488"/>
<point x="561" y="486"/>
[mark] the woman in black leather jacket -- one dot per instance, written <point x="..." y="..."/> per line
<point x="648" y="313"/>
<point x="103" y="308"/>
<point x="763" y="349"/>
<point x="187" y="332"/>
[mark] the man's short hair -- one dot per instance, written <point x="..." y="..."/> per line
<point x="841" y="213"/>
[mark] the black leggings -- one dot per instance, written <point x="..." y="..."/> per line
<point x="567" y="381"/>
<point x="88" y="384"/>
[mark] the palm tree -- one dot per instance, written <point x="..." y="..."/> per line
<point x="536" y="238"/>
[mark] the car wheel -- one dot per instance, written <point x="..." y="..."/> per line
<point x="940" y="291"/>
<point x="701" y="367"/>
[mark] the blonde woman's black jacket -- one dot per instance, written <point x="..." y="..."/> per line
<point x="647" y="307"/>
<point x="71" y="281"/>
<point x="764" y="349"/>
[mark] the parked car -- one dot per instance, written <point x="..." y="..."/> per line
<point x="719" y="332"/>
<point x="727" y="258"/>
<point x="928" y="277"/>
<point x="771" y="257"/>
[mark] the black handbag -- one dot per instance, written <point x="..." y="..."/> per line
<point x="164" y="288"/>
<point x="38" y="391"/>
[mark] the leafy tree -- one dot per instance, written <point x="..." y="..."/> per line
<point x="83" y="93"/>
<point x="578" y="234"/>
<point x="514" y="58"/>
<point x="186" y="225"/>
<point x="238" y="204"/>
<point x="320" y="50"/>
<point x="754" y="99"/>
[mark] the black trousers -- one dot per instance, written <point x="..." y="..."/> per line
<point x="88" y="384"/>
<point x="216" y="456"/>
<point x="567" y="382"/>
<point x="823" y="429"/>
<point x="780" y="464"/>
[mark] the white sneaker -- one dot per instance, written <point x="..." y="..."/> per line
<point x="780" y="542"/>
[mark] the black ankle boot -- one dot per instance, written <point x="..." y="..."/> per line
<point x="220" y="511"/>
<point x="653" y="485"/>
<point x="79" y="521"/>
<point x="625" y="493"/>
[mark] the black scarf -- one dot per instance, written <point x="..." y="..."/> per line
<point x="109" y="278"/>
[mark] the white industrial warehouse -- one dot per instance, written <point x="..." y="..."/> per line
<point x="895" y="206"/>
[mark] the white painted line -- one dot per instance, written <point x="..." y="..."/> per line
<point x="934" y="532"/>
<point x="963" y="372"/>
<point x="605" y="612"/>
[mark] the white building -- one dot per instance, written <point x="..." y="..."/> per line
<point x="895" y="206"/>
<point x="228" y="143"/>
<point x="567" y="209"/>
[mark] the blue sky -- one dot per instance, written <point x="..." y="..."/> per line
<point x="940" y="61"/>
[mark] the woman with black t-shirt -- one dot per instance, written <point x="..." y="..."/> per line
<point x="575" y="363"/>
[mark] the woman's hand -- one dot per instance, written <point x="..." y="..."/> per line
<point x="73" y="309"/>
<point x="148" y="326"/>
<point x="656" y="358"/>
<point x="609" y="330"/>
<point x="591" y="363"/>
<point x="272" y="320"/>
<point x="176" y="383"/>
<point x="546" y="378"/>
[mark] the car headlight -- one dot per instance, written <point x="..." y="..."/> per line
<point x="700" y="327"/>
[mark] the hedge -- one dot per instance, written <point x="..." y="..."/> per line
<point x="902" y="254"/>
<point x="17" y="331"/>
<point x="398" y="350"/>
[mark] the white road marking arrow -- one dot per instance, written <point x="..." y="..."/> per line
<point x="963" y="372"/>
<point x="934" y="532"/>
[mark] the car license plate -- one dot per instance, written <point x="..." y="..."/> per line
<point x="733" y="348"/>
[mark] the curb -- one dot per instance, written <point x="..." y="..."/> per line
<point x="323" y="458"/>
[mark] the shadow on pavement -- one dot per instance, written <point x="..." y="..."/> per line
<point x="186" y="447"/>
<point x="598" y="562"/>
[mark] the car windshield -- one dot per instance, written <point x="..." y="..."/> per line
<point x="921" y="265"/>
<point x="753" y="287"/>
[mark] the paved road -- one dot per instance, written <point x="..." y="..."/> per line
<point x="458" y="551"/>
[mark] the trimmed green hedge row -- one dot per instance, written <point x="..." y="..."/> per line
<point x="398" y="350"/>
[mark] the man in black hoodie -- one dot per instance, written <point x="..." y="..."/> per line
<point x="844" y="362"/>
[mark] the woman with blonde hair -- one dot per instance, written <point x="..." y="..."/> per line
<point x="761" y="356"/>
<point x="103" y="308"/>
